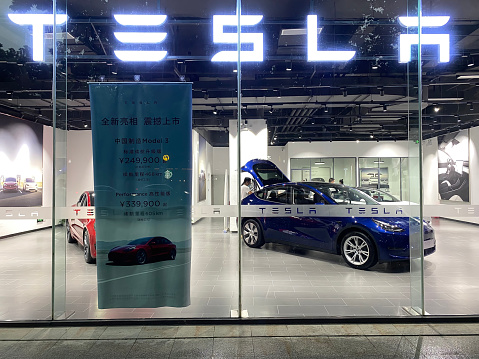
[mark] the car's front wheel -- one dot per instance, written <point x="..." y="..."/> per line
<point x="358" y="251"/>
<point x="86" y="248"/>
<point x="252" y="233"/>
<point x="172" y="254"/>
<point x="141" y="257"/>
<point x="70" y="239"/>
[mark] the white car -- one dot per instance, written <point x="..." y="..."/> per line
<point x="30" y="185"/>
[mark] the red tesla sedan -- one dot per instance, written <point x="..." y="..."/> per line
<point x="143" y="250"/>
<point x="83" y="230"/>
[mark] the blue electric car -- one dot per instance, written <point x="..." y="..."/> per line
<point x="362" y="241"/>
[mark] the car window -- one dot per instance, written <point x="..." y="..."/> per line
<point x="80" y="200"/>
<point x="11" y="179"/>
<point x="279" y="194"/>
<point x="306" y="196"/>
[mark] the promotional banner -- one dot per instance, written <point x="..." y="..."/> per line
<point x="21" y="163"/>
<point x="453" y="166"/>
<point x="142" y="171"/>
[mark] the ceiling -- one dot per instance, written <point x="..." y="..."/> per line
<point x="372" y="97"/>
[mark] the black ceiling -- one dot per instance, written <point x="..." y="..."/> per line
<point x="372" y="97"/>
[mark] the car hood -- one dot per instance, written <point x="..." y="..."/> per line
<point x="127" y="247"/>
<point x="264" y="172"/>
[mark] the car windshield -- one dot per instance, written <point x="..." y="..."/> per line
<point x="140" y="241"/>
<point x="29" y="180"/>
<point x="92" y="199"/>
<point x="378" y="195"/>
<point x="269" y="173"/>
<point x="342" y="194"/>
<point x="11" y="179"/>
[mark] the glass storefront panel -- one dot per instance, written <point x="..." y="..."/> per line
<point x="364" y="116"/>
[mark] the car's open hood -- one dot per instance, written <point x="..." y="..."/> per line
<point x="264" y="172"/>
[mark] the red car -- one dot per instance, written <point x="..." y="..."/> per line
<point x="143" y="250"/>
<point x="83" y="230"/>
<point x="10" y="184"/>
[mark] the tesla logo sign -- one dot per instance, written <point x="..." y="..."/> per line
<point x="253" y="39"/>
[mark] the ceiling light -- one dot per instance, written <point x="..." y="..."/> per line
<point x="470" y="62"/>
<point x="299" y="31"/>
<point x="471" y="106"/>
<point x="467" y="76"/>
<point x="289" y="67"/>
<point x="326" y="109"/>
<point x="271" y="109"/>
<point x="357" y="141"/>
<point x="235" y="70"/>
<point x="378" y="161"/>
<point x="438" y="99"/>
<point x="381" y="91"/>
<point x="344" y="91"/>
<point x="215" y="112"/>
<point x="385" y="108"/>
<point x="436" y="109"/>
<point x="85" y="125"/>
<point x="319" y="163"/>
<point x="371" y="136"/>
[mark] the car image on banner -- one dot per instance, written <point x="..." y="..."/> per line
<point x="10" y="184"/>
<point x="30" y="185"/>
<point x="362" y="241"/>
<point x="143" y="250"/>
<point x="83" y="230"/>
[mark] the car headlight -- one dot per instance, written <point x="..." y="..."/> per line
<point x="129" y="249"/>
<point x="388" y="226"/>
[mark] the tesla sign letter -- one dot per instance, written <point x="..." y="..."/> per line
<point x="38" y="21"/>
<point x="314" y="54"/>
<point x="140" y="37"/>
<point x="220" y="37"/>
<point x="407" y="40"/>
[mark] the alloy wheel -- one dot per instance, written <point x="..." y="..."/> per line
<point x="356" y="250"/>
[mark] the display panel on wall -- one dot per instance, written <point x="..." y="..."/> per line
<point x="453" y="166"/>
<point x="374" y="177"/>
<point x="21" y="163"/>
<point x="201" y="169"/>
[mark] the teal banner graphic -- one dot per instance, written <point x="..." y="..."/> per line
<point x="143" y="172"/>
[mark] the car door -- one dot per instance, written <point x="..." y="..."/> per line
<point x="276" y="229"/>
<point x="315" y="232"/>
<point x="156" y="247"/>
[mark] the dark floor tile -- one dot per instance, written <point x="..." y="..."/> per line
<point x="114" y="349"/>
<point x="266" y="347"/>
<point x="233" y="348"/>
<point x="151" y="348"/>
<point x="192" y="348"/>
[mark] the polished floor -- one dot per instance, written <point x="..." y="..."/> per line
<point x="278" y="280"/>
<point x="244" y="341"/>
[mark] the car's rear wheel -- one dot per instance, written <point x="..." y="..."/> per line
<point x="141" y="257"/>
<point x="173" y="254"/>
<point x="86" y="248"/>
<point x="70" y="239"/>
<point x="358" y="251"/>
<point x="252" y="233"/>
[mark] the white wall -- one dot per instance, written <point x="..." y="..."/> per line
<point x="279" y="156"/>
<point x="254" y="144"/>
<point x="79" y="165"/>
<point x="209" y="168"/>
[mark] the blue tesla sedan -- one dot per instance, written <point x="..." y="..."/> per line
<point x="362" y="241"/>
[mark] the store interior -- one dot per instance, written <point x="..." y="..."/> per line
<point x="409" y="130"/>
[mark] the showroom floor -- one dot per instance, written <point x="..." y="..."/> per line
<point x="278" y="281"/>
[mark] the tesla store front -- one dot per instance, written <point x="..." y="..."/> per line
<point x="175" y="160"/>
